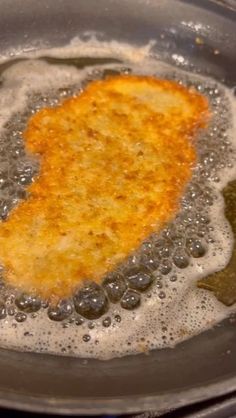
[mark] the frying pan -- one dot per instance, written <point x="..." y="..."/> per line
<point x="202" y="367"/>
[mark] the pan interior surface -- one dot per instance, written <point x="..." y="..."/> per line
<point x="202" y="367"/>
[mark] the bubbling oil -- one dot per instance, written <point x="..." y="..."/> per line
<point x="151" y="300"/>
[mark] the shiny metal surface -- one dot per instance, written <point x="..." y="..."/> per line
<point x="200" y="368"/>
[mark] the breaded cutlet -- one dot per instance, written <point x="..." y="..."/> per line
<point x="114" y="163"/>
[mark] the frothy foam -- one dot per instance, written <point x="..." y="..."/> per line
<point x="174" y="308"/>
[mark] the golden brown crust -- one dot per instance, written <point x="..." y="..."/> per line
<point x="114" y="163"/>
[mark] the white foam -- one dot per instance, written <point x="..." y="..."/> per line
<point x="159" y="322"/>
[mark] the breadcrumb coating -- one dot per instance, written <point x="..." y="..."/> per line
<point x="114" y="162"/>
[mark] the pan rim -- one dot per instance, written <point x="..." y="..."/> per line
<point x="136" y="404"/>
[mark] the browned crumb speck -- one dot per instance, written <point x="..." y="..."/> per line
<point x="114" y="164"/>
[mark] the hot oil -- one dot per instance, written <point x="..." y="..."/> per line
<point x="160" y="309"/>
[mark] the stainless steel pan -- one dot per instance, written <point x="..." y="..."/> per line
<point x="200" y="368"/>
